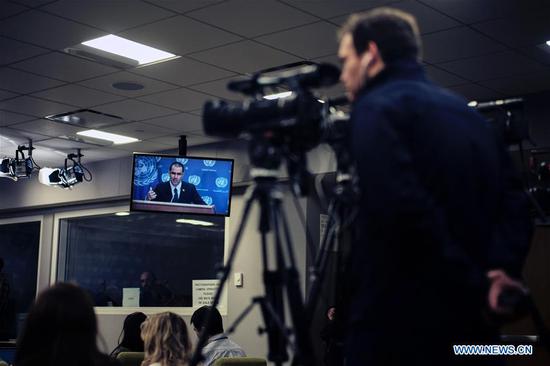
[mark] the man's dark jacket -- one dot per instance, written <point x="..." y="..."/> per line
<point x="188" y="193"/>
<point x="440" y="206"/>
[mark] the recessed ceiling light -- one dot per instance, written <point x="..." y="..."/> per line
<point x="129" y="49"/>
<point x="548" y="43"/>
<point x="194" y="222"/>
<point x="278" y="95"/>
<point x="123" y="213"/>
<point x="116" y="139"/>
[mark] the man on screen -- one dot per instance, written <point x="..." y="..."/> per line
<point x="175" y="190"/>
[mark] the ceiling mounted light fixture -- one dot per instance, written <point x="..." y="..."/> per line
<point x="144" y="55"/>
<point x="116" y="139"/>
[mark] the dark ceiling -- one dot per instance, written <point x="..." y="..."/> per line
<point x="483" y="49"/>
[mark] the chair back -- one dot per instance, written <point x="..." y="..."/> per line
<point x="240" y="361"/>
<point x="130" y="358"/>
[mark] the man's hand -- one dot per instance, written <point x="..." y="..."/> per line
<point x="151" y="195"/>
<point x="500" y="282"/>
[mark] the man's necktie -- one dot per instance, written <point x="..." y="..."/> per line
<point x="175" y="198"/>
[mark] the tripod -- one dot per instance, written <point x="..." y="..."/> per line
<point x="282" y="278"/>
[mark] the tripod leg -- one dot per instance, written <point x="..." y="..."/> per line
<point x="197" y="355"/>
<point x="304" y="352"/>
<point x="318" y="273"/>
<point x="274" y="318"/>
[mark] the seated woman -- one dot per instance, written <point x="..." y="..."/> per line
<point x="131" y="337"/>
<point x="166" y="340"/>
<point x="61" y="329"/>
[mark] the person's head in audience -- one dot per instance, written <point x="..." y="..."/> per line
<point x="60" y="329"/>
<point x="131" y="334"/>
<point x="166" y="340"/>
<point x="147" y="279"/>
<point x="198" y="321"/>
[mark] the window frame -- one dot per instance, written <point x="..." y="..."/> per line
<point x="121" y="310"/>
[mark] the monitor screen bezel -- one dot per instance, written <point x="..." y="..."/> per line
<point x="174" y="156"/>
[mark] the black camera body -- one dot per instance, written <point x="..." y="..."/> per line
<point x="298" y="121"/>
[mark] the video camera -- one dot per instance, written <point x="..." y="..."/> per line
<point x="299" y="120"/>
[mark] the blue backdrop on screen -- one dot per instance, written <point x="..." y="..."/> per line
<point x="212" y="178"/>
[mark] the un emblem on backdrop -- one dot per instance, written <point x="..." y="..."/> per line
<point x="209" y="163"/>
<point x="182" y="160"/>
<point x="207" y="200"/>
<point x="145" y="171"/>
<point x="194" y="179"/>
<point x="221" y="182"/>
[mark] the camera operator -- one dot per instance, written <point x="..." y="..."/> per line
<point x="443" y="225"/>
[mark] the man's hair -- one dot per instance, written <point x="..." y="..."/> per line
<point x="199" y="320"/>
<point x="395" y="32"/>
<point x="177" y="163"/>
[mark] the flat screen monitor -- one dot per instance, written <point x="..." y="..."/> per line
<point x="181" y="184"/>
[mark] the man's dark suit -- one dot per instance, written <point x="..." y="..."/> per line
<point x="188" y="193"/>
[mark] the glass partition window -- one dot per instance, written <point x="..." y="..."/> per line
<point x="142" y="259"/>
<point x="19" y="247"/>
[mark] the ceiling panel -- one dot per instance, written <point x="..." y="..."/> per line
<point x="180" y="99"/>
<point x="48" y="128"/>
<point x="134" y="110"/>
<point x="65" y="67"/>
<point x="143" y="146"/>
<point x="47" y="30"/>
<point x="77" y="95"/>
<point x="33" y="3"/>
<point x="183" y="71"/>
<point x="15" y="51"/>
<point x="475" y="92"/>
<point x="443" y="77"/>
<point x="518" y="85"/>
<point x="23" y="82"/>
<point x="111" y="16"/>
<point x="429" y="20"/>
<point x="181" y="122"/>
<point x="473" y="11"/>
<point x="65" y="145"/>
<point x="540" y="53"/>
<point x="457" y="43"/>
<point x="9" y="118"/>
<point x="184" y="6"/>
<point x="492" y="66"/>
<point x="20" y="136"/>
<point x="309" y="41"/>
<point x="245" y="57"/>
<point x="139" y="130"/>
<point x="332" y="8"/>
<point x="103" y="153"/>
<point x="105" y="83"/>
<point x="192" y="140"/>
<point x="519" y="31"/>
<point x="262" y="17"/>
<point x="35" y="106"/>
<point x="4" y="94"/>
<point x="9" y="9"/>
<point x="219" y="89"/>
<point x="179" y="35"/>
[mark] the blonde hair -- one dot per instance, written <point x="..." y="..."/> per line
<point x="165" y="340"/>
